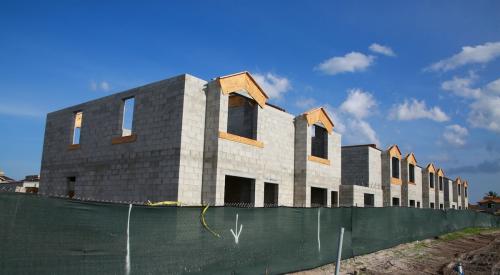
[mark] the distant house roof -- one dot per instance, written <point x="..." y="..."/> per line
<point x="5" y="179"/>
<point x="486" y="200"/>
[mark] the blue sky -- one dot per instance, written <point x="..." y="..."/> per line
<point x="420" y="75"/>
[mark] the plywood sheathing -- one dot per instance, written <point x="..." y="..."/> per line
<point x="410" y="158"/>
<point x="243" y="82"/>
<point x="466" y="183"/>
<point x="458" y="180"/>
<point x="319" y="115"/>
<point x="319" y="160"/>
<point x="440" y="172"/>
<point x="431" y="168"/>
<point x="394" y="151"/>
<point x="124" y="139"/>
<point x="78" y="120"/>
<point x="241" y="139"/>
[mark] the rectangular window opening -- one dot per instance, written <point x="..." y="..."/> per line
<point x="318" y="197"/>
<point x="441" y="206"/>
<point x="418" y="204"/>
<point x="440" y="183"/>
<point x="128" y="116"/>
<point x="465" y="192"/>
<point x="369" y="200"/>
<point x="459" y="190"/>
<point x="431" y="180"/>
<point x="412" y="203"/>
<point x="395" y="167"/>
<point x="411" y="174"/>
<point x="239" y="191"/>
<point x="270" y="195"/>
<point x="334" y="199"/>
<point x="319" y="141"/>
<point x="77" y="125"/>
<point x="242" y="116"/>
<point x="395" y="201"/>
<point x="70" y="186"/>
<point x="432" y="205"/>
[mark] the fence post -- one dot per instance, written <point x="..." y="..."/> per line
<point x="339" y="251"/>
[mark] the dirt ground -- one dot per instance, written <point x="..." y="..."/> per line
<point x="477" y="249"/>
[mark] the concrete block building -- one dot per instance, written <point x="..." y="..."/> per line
<point x="361" y="176"/>
<point x="193" y="141"/>
<point x="429" y="186"/>
<point x="465" y="195"/>
<point x="317" y="160"/>
<point x="457" y="192"/>
<point x="439" y="190"/>
<point x="391" y="176"/>
<point x="449" y="202"/>
<point x="411" y="175"/>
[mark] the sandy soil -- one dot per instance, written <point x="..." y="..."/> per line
<point x="479" y="254"/>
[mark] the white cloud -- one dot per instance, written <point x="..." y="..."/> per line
<point x="351" y="62"/>
<point x="359" y="103"/>
<point x="479" y="54"/>
<point x="305" y="103"/>
<point x="484" y="109"/>
<point x="274" y="85"/>
<point x="494" y="86"/>
<point x="461" y="86"/>
<point x="385" y="50"/>
<point x="455" y="135"/>
<point x="362" y="132"/>
<point x="350" y="117"/>
<point x="413" y="109"/>
<point x="100" y="86"/>
<point x="485" y="113"/>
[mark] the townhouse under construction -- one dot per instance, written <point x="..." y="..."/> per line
<point x="220" y="142"/>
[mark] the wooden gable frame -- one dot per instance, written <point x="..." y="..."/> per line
<point x="410" y="158"/>
<point x="243" y="82"/>
<point x="430" y="168"/>
<point x="319" y="115"/>
<point x="394" y="151"/>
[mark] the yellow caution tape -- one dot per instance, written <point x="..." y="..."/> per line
<point x="163" y="203"/>
<point x="204" y="223"/>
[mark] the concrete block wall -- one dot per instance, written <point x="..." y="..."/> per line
<point x="146" y="169"/>
<point x="410" y="191"/>
<point x="389" y="189"/>
<point x="353" y="195"/>
<point x="448" y="194"/>
<point x="428" y="194"/>
<point x="438" y="192"/>
<point x="361" y="167"/>
<point x="309" y="173"/>
<point x="273" y="164"/>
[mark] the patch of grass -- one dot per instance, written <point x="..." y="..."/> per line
<point x="466" y="232"/>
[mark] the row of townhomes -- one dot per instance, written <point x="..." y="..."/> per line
<point x="221" y="143"/>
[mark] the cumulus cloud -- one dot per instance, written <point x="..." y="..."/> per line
<point x="455" y="135"/>
<point x="274" y="85"/>
<point x="385" y="50"/>
<point x="351" y="117"/>
<point x="359" y="103"/>
<point x="480" y="54"/>
<point x="100" y="86"/>
<point x="351" y="62"/>
<point x="305" y="103"/>
<point x="461" y="86"/>
<point x="485" y="113"/>
<point x="494" y="86"/>
<point x="413" y="109"/>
